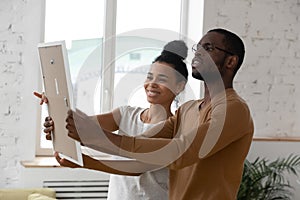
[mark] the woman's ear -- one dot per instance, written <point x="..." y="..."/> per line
<point x="231" y="62"/>
<point x="180" y="87"/>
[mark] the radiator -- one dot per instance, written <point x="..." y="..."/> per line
<point x="85" y="189"/>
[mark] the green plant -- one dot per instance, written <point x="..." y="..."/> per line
<point x="265" y="180"/>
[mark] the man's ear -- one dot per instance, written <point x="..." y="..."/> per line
<point x="180" y="87"/>
<point x="232" y="62"/>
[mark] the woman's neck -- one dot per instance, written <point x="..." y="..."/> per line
<point x="156" y="113"/>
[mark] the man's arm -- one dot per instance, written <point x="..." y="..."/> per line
<point x="227" y="125"/>
<point x="87" y="130"/>
<point x="155" y="151"/>
<point x="193" y="143"/>
<point x="91" y="163"/>
<point x="119" y="167"/>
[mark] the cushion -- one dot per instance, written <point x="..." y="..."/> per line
<point x="37" y="196"/>
<point x="22" y="194"/>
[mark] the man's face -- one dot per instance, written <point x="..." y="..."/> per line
<point x="208" y="62"/>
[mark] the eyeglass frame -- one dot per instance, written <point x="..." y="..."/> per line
<point x="213" y="47"/>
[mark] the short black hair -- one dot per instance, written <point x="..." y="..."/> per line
<point x="174" y="53"/>
<point x="233" y="43"/>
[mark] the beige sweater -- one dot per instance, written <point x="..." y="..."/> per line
<point x="204" y="149"/>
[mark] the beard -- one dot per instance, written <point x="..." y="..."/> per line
<point x="197" y="75"/>
<point x="207" y="70"/>
<point x="208" y="76"/>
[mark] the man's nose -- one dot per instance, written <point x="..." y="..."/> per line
<point x="198" y="53"/>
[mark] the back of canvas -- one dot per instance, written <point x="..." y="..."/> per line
<point x="58" y="90"/>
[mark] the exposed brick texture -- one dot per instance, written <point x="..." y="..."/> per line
<point x="269" y="76"/>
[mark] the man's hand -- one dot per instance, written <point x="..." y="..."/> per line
<point x="83" y="128"/>
<point x="87" y="130"/>
<point x="72" y="130"/>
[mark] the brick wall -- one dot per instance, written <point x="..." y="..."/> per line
<point x="269" y="76"/>
<point x="19" y="33"/>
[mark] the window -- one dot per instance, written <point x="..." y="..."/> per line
<point x="99" y="64"/>
<point x="67" y="20"/>
<point x="147" y="36"/>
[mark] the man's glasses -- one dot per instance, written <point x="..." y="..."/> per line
<point x="209" y="48"/>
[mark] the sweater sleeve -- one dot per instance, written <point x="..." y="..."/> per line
<point x="121" y="167"/>
<point x="217" y="133"/>
<point x="222" y="128"/>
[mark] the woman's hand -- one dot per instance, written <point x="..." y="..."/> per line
<point x="64" y="162"/>
<point x="41" y="96"/>
<point x="49" y="126"/>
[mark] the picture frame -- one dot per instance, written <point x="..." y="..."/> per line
<point x="57" y="84"/>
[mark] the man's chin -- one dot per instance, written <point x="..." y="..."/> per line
<point x="197" y="76"/>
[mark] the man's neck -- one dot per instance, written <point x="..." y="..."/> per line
<point x="210" y="92"/>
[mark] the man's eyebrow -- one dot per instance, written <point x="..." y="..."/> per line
<point x="206" y="43"/>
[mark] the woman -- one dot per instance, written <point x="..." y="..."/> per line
<point x="166" y="79"/>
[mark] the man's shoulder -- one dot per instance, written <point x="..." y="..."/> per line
<point x="237" y="105"/>
<point x="231" y="100"/>
<point x="234" y="98"/>
<point x="188" y="106"/>
<point x="190" y="103"/>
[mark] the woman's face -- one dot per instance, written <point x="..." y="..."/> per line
<point x="160" y="84"/>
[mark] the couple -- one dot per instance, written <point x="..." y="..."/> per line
<point x="204" y="144"/>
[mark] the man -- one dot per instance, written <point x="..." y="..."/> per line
<point x="206" y="142"/>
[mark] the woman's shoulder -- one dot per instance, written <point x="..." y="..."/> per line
<point x="130" y="110"/>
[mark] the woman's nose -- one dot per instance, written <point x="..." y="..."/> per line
<point x="153" y="84"/>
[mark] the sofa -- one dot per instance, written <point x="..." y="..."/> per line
<point x="28" y="194"/>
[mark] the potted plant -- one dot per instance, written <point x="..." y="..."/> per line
<point x="265" y="180"/>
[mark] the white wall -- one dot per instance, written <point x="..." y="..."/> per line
<point x="268" y="79"/>
<point x="270" y="73"/>
<point x="34" y="177"/>
<point x="20" y="23"/>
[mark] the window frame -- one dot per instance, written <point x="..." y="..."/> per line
<point x="108" y="54"/>
<point x="38" y="150"/>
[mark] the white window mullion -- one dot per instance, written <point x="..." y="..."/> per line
<point x="184" y="20"/>
<point x="108" y="56"/>
<point x="194" y="31"/>
<point x="38" y="150"/>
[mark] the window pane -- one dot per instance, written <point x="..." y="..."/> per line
<point x="80" y="24"/>
<point x="136" y="52"/>
<point x="135" y="56"/>
<point x="73" y="19"/>
<point x="143" y="28"/>
<point x="140" y="14"/>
